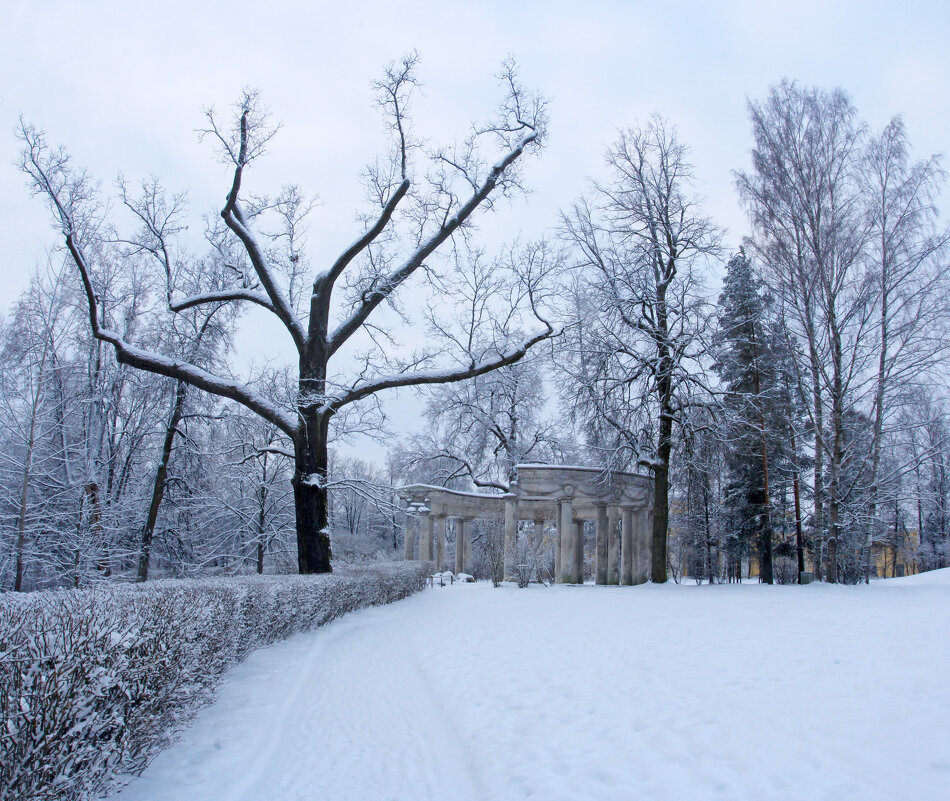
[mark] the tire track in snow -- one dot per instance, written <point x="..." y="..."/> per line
<point x="346" y="712"/>
<point x="292" y="721"/>
<point x="656" y="692"/>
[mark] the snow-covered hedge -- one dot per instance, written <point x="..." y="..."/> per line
<point x="93" y="682"/>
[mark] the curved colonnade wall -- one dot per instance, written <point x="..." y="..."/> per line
<point x="566" y="496"/>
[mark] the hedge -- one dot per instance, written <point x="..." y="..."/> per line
<point x="94" y="682"/>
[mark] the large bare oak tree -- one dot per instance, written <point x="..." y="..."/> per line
<point x="349" y="312"/>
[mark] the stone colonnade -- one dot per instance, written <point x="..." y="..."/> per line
<point x="618" y="504"/>
<point x="430" y="532"/>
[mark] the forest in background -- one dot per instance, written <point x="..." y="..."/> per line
<point x="794" y="418"/>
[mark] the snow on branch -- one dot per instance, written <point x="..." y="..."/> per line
<point x="325" y="280"/>
<point x="68" y="195"/>
<point x="446" y="376"/>
<point x="222" y="296"/>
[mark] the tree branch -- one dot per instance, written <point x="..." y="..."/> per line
<point x="347" y="328"/>
<point x="234" y="218"/>
<point x="222" y="296"/>
<point x="440" y="376"/>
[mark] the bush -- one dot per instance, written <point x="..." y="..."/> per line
<point x="94" y="682"/>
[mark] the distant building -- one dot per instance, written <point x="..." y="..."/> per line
<point x="891" y="559"/>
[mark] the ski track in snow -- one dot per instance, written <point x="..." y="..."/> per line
<point x="653" y="692"/>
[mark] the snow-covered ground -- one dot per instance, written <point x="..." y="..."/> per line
<point x="654" y="692"/>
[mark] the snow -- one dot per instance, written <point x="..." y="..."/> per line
<point x="657" y="692"/>
<point x="436" y="487"/>
<point x="585" y="467"/>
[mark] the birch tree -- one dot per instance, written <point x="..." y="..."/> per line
<point x="422" y="201"/>
<point x="907" y="255"/>
<point x="810" y="232"/>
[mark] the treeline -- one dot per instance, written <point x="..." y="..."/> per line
<point x="103" y="465"/>
<point x="797" y="423"/>
<point x="108" y="473"/>
<point x="795" y="419"/>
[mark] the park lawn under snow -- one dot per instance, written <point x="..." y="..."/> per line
<point x="655" y="692"/>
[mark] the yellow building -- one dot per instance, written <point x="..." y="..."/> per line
<point x="891" y="560"/>
<point x="888" y="560"/>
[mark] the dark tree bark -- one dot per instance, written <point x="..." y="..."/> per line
<point x="661" y="503"/>
<point x="161" y="480"/>
<point x="262" y="495"/>
<point x="765" y="516"/>
<point x="311" y="496"/>
<point x="796" y="493"/>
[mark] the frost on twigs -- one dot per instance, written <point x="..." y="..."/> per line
<point x="93" y="683"/>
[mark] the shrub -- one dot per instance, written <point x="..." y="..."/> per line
<point x="93" y="683"/>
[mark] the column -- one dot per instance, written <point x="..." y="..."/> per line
<point x="425" y="536"/>
<point x="626" y="546"/>
<point x="613" y="545"/>
<point x="440" y="543"/>
<point x="646" y="545"/>
<point x="465" y="530"/>
<point x="557" y="543"/>
<point x="511" y="536"/>
<point x="409" y="534"/>
<point x="639" y="535"/>
<point x="564" y="524"/>
<point x="578" y="571"/>
<point x="603" y="533"/>
<point x="459" y="548"/>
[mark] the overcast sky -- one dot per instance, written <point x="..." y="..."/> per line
<point x="123" y="87"/>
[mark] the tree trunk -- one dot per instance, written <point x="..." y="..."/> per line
<point x="837" y="456"/>
<point x="262" y="494"/>
<point x="661" y="491"/>
<point x="93" y="494"/>
<point x="76" y="551"/>
<point x="765" y="516"/>
<point x="708" y="535"/>
<point x="819" y="474"/>
<point x="311" y="497"/>
<point x="664" y="390"/>
<point x="878" y="431"/>
<point x="24" y="498"/>
<point x="158" y="488"/>
<point x="796" y="492"/>
<point x="765" y="523"/>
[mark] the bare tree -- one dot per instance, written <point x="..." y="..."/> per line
<point x="28" y="404"/>
<point x="411" y="222"/>
<point x="908" y="263"/>
<point x="810" y="233"/>
<point x="480" y="430"/>
<point x="643" y="242"/>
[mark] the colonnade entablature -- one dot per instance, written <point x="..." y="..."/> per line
<point x="567" y="496"/>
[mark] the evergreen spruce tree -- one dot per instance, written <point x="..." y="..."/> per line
<point x="748" y="358"/>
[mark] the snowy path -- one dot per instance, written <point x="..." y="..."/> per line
<point x="654" y="692"/>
